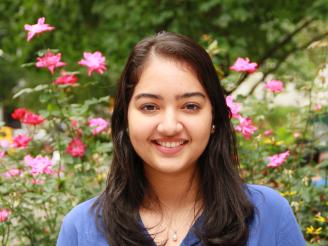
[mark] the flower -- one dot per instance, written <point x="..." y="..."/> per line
<point x="66" y="79"/>
<point x="234" y="107"/>
<point x="94" y="62"/>
<point x="320" y="219"/>
<point x="268" y="133"/>
<point x="21" y="141"/>
<point x="5" y="144"/>
<point x="314" y="231"/>
<point x="2" y="154"/>
<point x="32" y="119"/>
<point x="76" y="148"/>
<point x="243" y="65"/>
<point x="317" y="107"/>
<point x="74" y="123"/>
<point x="278" y="159"/>
<point x="13" y="172"/>
<point x="98" y="125"/>
<point x="19" y="113"/>
<point x="38" y="28"/>
<point x="4" y="214"/>
<point x="274" y="86"/>
<point x="50" y="61"/>
<point x="27" y="117"/>
<point x="37" y="181"/>
<point x="39" y="165"/>
<point x="246" y="127"/>
<point x="75" y="126"/>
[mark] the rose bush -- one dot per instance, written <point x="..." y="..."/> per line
<point x="63" y="156"/>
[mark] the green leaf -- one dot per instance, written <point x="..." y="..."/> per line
<point x="30" y="90"/>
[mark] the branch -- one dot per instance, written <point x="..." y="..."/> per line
<point x="287" y="54"/>
<point x="284" y="41"/>
<point x="273" y="50"/>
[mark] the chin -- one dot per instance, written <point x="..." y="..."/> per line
<point x="170" y="168"/>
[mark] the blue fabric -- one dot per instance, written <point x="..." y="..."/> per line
<point x="274" y="223"/>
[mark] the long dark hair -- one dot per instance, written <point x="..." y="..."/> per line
<point x="226" y="210"/>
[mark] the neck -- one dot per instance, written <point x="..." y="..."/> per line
<point x="172" y="191"/>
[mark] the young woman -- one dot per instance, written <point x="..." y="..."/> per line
<point x="174" y="177"/>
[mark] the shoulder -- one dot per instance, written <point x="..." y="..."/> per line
<point x="264" y="196"/>
<point x="79" y="227"/>
<point x="268" y="203"/>
<point x="80" y="213"/>
<point x="274" y="220"/>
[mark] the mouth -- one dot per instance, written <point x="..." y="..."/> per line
<point x="169" y="146"/>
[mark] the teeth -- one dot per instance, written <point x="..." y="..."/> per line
<point x="170" y="144"/>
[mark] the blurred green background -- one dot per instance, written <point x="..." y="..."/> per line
<point x="275" y="34"/>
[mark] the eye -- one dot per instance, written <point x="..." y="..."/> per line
<point x="193" y="107"/>
<point x="149" y="108"/>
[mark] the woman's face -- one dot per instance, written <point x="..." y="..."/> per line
<point x="169" y="117"/>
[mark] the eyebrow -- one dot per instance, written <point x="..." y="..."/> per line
<point x="178" y="97"/>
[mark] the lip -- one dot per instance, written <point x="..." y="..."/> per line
<point x="167" y="150"/>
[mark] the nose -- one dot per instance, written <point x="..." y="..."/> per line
<point x="170" y="124"/>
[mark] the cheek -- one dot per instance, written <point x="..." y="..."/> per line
<point x="200" y="128"/>
<point x="139" y="127"/>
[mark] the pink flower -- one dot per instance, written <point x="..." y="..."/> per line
<point x="37" y="181"/>
<point x="75" y="126"/>
<point x="244" y="65"/>
<point x="13" y="172"/>
<point x="234" y="107"/>
<point x="246" y="127"/>
<point x="2" y="154"/>
<point x="5" y="144"/>
<point x="4" y="214"/>
<point x="21" y="141"/>
<point x="39" y="165"/>
<point x="317" y="107"/>
<point x="268" y="133"/>
<point x="274" y="86"/>
<point x="296" y="134"/>
<point x="74" y="123"/>
<point x="76" y="148"/>
<point x="94" y="62"/>
<point x="19" y="113"/>
<point x="38" y="28"/>
<point x="50" y="61"/>
<point x="98" y="125"/>
<point x="66" y="79"/>
<point x="278" y="159"/>
<point x="32" y="119"/>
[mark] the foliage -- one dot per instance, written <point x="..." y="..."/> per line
<point x="80" y="156"/>
<point x="280" y="30"/>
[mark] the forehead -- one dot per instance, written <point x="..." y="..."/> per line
<point x="167" y="75"/>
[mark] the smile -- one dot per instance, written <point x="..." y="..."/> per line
<point x="170" y="144"/>
<point x="169" y="147"/>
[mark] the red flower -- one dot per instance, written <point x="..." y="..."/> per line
<point x="19" y="113"/>
<point x="21" y="141"/>
<point x="32" y="119"/>
<point x="76" y="148"/>
<point x="50" y="61"/>
<point x="66" y="79"/>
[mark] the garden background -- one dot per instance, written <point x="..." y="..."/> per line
<point x="55" y="149"/>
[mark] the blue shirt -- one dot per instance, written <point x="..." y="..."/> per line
<point x="274" y="223"/>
